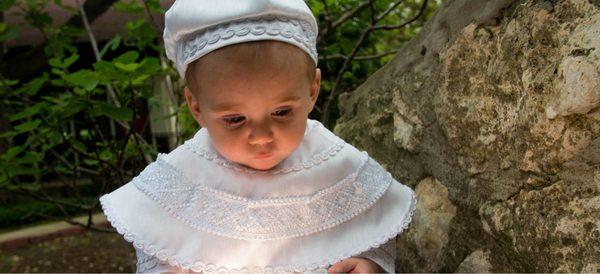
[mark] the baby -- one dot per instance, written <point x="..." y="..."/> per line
<point x="260" y="187"/>
<point x="254" y="99"/>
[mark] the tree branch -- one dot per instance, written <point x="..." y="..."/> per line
<point x="325" y="115"/>
<point x="345" y="17"/>
<point x="391" y="27"/>
<point x="359" y="58"/>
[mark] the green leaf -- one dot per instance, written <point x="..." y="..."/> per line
<point x="78" y="145"/>
<point x="54" y="138"/>
<point x="91" y="162"/>
<point x="8" y="83"/>
<point x="131" y="7"/>
<point x="86" y="79"/>
<point x="140" y="79"/>
<point x="57" y="62"/>
<point x="127" y="67"/>
<point x="155" y="6"/>
<point x="347" y="45"/>
<point x="79" y="91"/>
<point x="28" y="126"/>
<point x="127" y="57"/>
<point x="29" y="158"/>
<point x="107" y="71"/>
<point x="70" y="60"/>
<point x="12" y="152"/>
<point x="8" y="134"/>
<point x="34" y="85"/>
<point x="151" y="65"/>
<point x="103" y="66"/>
<point x="8" y="32"/>
<point x="106" y="155"/>
<point x="27" y="112"/>
<point x="347" y="76"/>
<point x="112" y="45"/>
<point x="105" y="109"/>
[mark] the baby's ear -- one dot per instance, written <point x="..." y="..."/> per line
<point x="316" y="86"/>
<point x="193" y="105"/>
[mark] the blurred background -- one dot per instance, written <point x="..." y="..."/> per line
<point x="88" y="98"/>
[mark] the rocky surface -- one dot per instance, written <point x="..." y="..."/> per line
<point x="492" y="114"/>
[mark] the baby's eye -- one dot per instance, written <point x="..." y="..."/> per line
<point x="282" y="112"/>
<point x="234" y="121"/>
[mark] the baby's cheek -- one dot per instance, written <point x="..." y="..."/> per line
<point x="228" y="147"/>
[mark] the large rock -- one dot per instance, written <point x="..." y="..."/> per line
<point x="493" y="112"/>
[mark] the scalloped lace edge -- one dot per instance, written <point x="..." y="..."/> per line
<point x="164" y="254"/>
<point x="313" y="161"/>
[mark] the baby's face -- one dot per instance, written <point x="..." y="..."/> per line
<point x="255" y="117"/>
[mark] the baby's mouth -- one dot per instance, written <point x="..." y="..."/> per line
<point x="263" y="155"/>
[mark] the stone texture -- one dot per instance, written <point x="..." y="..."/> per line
<point x="432" y="219"/>
<point x="499" y="101"/>
<point x="476" y="262"/>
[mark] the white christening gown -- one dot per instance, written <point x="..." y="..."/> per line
<point x="194" y="211"/>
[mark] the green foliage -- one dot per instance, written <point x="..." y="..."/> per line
<point x="79" y="119"/>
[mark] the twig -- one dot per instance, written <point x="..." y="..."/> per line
<point x="327" y="14"/>
<point x="390" y="9"/>
<point x="391" y="27"/>
<point x="82" y="169"/>
<point x="120" y="159"/>
<point x="50" y="217"/>
<point x="44" y="197"/>
<point x="347" y="15"/>
<point x="111" y="92"/>
<point x="338" y="78"/>
<point x="360" y="58"/>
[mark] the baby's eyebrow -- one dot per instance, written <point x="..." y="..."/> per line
<point x="290" y="98"/>
<point x="224" y="107"/>
<point x="227" y="106"/>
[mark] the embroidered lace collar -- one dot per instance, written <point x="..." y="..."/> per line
<point x="322" y="148"/>
<point x="238" y="217"/>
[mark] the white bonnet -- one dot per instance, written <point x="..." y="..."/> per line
<point x="194" y="28"/>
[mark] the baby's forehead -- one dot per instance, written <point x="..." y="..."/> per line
<point x="259" y="53"/>
<point x="264" y="60"/>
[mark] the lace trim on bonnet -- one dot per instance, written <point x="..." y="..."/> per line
<point x="294" y="31"/>
<point x="237" y="217"/>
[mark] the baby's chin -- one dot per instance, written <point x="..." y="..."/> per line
<point x="262" y="164"/>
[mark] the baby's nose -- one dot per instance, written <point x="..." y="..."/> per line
<point x="260" y="136"/>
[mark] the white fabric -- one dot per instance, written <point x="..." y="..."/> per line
<point x="197" y="211"/>
<point x="383" y="255"/>
<point x="195" y="28"/>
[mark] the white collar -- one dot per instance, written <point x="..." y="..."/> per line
<point x="191" y="205"/>
<point x="317" y="148"/>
